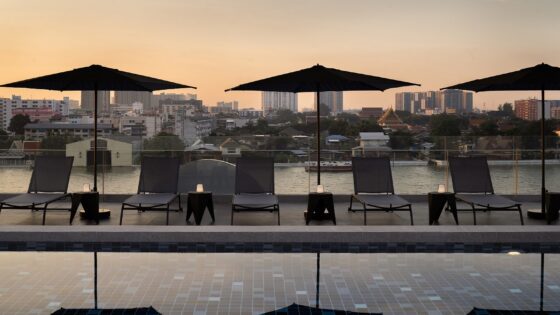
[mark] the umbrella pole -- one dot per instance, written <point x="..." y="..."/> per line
<point x="95" y="140"/>
<point x="95" y="278"/>
<point x="543" y="149"/>
<point x="318" y="138"/>
<point x="540" y="214"/>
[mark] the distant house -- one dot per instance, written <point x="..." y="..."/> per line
<point x="231" y="149"/>
<point x="290" y="132"/>
<point x="371" y="113"/>
<point x="335" y="139"/>
<point x="200" y="150"/>
<point x="110" y="152"/>
<point x="372" y="144"/>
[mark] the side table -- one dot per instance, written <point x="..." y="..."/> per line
<point x="317" y="203"/>
<point x="197" y="202"/>
<point x="552" y="203"/>
<point x="90" y="203"/>
<point x="436" y="203"/>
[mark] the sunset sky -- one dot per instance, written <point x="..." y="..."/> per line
<point x="218" y="44"/>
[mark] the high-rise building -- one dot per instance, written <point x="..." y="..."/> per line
<point x="273" y="101"/>
<point x="103" y="100"/>
<point x="530" y="109"/>
<point x="456" y="101"/>
<point x="332" y="99"/>
<point x="129" y="97"/>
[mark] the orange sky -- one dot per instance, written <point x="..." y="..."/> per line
<point x="215" y="44"/>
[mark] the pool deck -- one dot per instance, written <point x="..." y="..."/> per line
<point x="21" y="230"/>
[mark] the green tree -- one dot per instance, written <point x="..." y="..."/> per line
<point x="5" y="140"/>
<point x="17" y="124"/>
<point x="369" y="126"/>
<point x="56" y="144"/>
<point x="400" y="140"/>
<point x="339" y="127"/>
<point x="164" y="144"/>
<point x="444" y="125"/>
<point x="487" y="128"/>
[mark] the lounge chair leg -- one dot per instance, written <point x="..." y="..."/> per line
<point x="232" y="209"/>
<point x="474" y="214"/>
<point x="45" y="213"/>
<point x="365" y="217"/>
<point x="167" y="215"/>
<point x="350" y="208"/>
<point x="180" y="204"/>
<point x="411" y="219"/>
<point x="520" y="214"/>
<point x="278" y="209"/>
<point x="122" y="212"/>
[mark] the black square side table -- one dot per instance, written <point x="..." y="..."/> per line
<point x="436" y="203"/>
<point x="90" y="202"/>
<point x="317" y="203"/>
<point x="197" y="202"/>
<point x="552" y="202"/>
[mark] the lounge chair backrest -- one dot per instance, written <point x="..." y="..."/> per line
<point x="470" y="175"/>
<point x="159" y="175"/>
<point x="372" y="175"/>
<point x="254" y="176"/>
<point x="51" y="174"/>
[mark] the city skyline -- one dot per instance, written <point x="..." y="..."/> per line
<point x="215" y="45"/>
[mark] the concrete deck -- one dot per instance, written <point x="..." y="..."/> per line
<point x="291" y="214"/>
<point x="21" y="230"/>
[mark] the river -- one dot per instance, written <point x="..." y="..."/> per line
<point x="408" y="179"/>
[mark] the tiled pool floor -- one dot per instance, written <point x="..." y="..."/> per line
<point x="39" y="282"/>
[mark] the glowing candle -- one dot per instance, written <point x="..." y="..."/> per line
<point x="199" y="188"/>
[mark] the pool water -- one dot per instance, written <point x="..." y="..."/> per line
<point x="239" y="283"/>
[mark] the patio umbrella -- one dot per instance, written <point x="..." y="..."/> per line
<point x="296" y="309"/>
<point x="541" y="77"/>
<point x="96" y="78"/>
<point x="320" y="79"/>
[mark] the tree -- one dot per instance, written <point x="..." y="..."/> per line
<point x="56" y="144"/>
<point x="487" y="128"/>
<point x="5" y="140"/>
<point x="338" y="127"/>
<point x="507" y="109"/>
<point x="444" y="125"/>
<point x="400" y="140"/>
<point x="164" y="144"/>
<point x="17" y="124"/>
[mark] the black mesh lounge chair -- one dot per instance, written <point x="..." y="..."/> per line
<point x="473" y="185"/>
<point x="373" y="187"/>
<point x="49" y="183"/>
<point x="157" y="187"/>
<point x="254" y="186"/>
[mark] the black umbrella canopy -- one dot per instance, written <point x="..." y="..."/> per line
<point x="296" y="309"/>
<point x="96" y="77"/>
<point x="319" y="79"/>
<point x="537" y="78"/>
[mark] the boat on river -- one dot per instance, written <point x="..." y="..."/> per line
<point x="328" y="166"/>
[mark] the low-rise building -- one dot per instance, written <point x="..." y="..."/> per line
<point x="111" y="152"/>
<point x="38" y="131"/>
